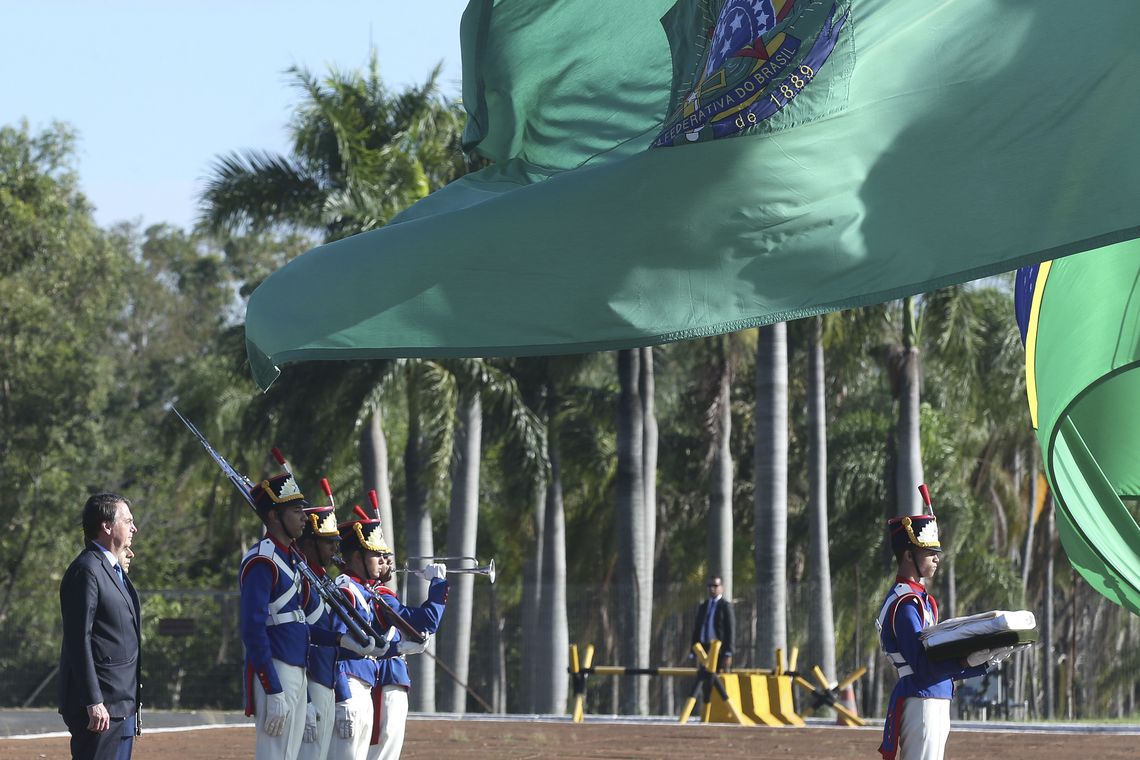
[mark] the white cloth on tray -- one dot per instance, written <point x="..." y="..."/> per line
<point x="959" y="628"/>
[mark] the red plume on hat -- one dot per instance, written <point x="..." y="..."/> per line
<point x="915" y="531"/>
<point x="278" y="491"/>
<point x="366" y="532"/>
<point x="320" y="522"/>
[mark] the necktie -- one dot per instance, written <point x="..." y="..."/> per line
<point x="709" y="631"/>
<point x="119" y="572"/>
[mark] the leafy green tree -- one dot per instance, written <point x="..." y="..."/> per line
<point x="60" y="305"/>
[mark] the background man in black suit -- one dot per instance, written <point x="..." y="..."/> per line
<point x="715" y="620"/>
<point x="99" y="658"/>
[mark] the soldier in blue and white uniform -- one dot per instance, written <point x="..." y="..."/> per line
<point x="918" y="714"/>
<point x="393" y="683"/>
<point x="274" y="628"/>
<point x="361" y="542"/>
<point x="319" y="541"/>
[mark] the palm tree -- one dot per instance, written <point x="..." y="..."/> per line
<point x="647" y="391"/>
<point x="720" y="522"/>
<point x="476" y="380"/>
<point x="634" y="588"/>
<point x="771" y="494"/>
<point x="462" y="524"/>
<point x="360" y="155"/>
<point x="908" y="472"/>
<point x="821" y="621"/>
<point x="547" y="383"/>
<point x="421" y="458"/>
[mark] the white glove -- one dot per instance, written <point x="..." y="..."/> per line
<point x="276" y="711"/>
<point x="407" y="646"/>
<point x="978" y="657"/>
<point x="310" y="734"/>
<point x="433" y="571"/>
<point x="997" y="656"/>
<point x="366" y="649"/>
<point x="385" y="642"/>
<point x="343" y="723"/>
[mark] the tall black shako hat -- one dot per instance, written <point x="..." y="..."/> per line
<point x="279" y="491"/>
<point x="915" y="531"/>
<point x="320" y="522"/>
<point x="364" y="532"/>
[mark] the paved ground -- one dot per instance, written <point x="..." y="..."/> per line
<point x="191" y="736"/>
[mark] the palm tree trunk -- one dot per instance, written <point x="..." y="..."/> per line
<point x="419" y="542"/>
<point x="498" y="657"/>
<point x="821" y="623"/>
<point x="374" y="470"/>
<point x="908" y="475"/>
<point x="531" y="603"/>
<point x="771" y="499"/>
<point x="647" y="391"/>
<point x="646" y="387"/>
<point x="1047" y="641"/>
<point x="721" y="478"/>
<point x="1026" y="564"/>
<point x="631" y="529"/>
<point x="553" y="628"/>
<point x="462" y="529"/>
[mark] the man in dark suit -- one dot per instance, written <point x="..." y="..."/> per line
<point x="716" y="620"/>
<point x="99" y="658"/>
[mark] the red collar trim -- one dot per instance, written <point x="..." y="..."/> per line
<point x="382" y="589"/>
<point x="915" y="586"/>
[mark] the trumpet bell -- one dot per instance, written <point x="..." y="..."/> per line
<point x="487" y="570"/>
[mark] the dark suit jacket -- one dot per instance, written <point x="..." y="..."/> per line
<point x="724" y="624"/>
<point x="99" y="659"/>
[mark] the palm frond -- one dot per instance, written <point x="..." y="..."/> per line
<point x="258" y="190"/>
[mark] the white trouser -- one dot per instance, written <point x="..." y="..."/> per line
<point x="924" y="730"/>
<point x="393" y="718"/>
<point x="324" y="700"/>
<point x="360" y="705"/>
<point x="293" y="687"/>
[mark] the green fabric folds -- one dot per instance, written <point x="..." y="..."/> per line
<point x="887" y="148"/>
<point x="1086" y="374"/>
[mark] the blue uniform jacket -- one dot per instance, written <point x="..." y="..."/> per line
<point x="426" y="618"/>
<point x="322" y="657"/>
<point x="350" y="663"/>
<point x="273" y="616"/>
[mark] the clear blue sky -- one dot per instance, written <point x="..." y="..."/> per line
<point x="158" y="88"/>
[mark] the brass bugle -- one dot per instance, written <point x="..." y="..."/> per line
<point x="487" y="570"/>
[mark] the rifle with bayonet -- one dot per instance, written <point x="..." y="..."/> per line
<point x="336" y="601"/>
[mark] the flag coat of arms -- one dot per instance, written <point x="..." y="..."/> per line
<point x="669" y="169"/>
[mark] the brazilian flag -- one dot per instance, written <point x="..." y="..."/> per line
<point x="669" y="169"/>
<point x="1080" y="317"/>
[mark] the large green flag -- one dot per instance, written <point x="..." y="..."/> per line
<point x="665" y="170"/>
<point x="1080" y="318"/>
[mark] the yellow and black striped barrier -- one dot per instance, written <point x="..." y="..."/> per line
<point x="829" y="694"/>
<point x="747" y="696"/>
